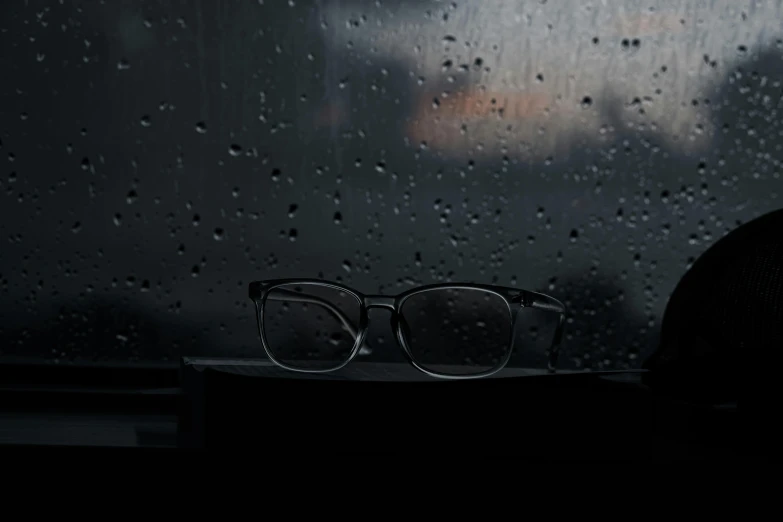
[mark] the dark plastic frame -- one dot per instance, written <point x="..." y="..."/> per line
<point x="515" y="299"/>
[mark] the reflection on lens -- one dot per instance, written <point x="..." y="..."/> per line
<point x="310" y="327"/>
<point x="457" y="331"/>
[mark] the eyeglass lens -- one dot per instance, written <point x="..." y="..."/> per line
<point x="457" y="331"/>
<point x="310" y="327"/>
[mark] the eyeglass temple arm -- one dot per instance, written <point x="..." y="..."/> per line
<point x="550" y="304"/>
<point x="298" y="297"/>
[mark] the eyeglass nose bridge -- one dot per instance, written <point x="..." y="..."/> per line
<point x="379" y="301"/>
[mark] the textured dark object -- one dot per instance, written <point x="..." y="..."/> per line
<point x="373" y="409"/>
<point x="392" y="409"/>
<point x="723" y="324"/>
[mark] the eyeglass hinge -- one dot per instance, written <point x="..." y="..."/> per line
<point x="522" y="298"/>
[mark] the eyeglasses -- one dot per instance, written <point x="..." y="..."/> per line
<point x="453" y="331"/>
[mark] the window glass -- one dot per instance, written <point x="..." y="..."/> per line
<point x="158" y="156"/>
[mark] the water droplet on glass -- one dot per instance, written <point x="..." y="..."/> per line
<point x="146" y="121"/>
<point x="292" y="210"/>
<point x="123" y="65"/>
<point x="275" y="174"/>
<point x="347" y="266"/>
<point x="218" y="234"/>
<point x="117" y="219"/>
<point x="201" y="127"/>
<point x="131" y="197"/>
<point x="235" y="150"/>
<point x="292" y="234"/>
<point x="587" y="101"/>
<point x="76" y="228"/>
<point x="338" y="218"/>
<point x="195" y="271"/>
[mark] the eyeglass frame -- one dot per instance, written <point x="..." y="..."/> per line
<point x="515" y="298"/>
